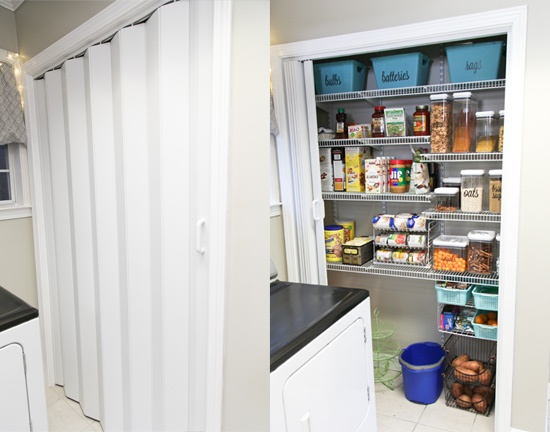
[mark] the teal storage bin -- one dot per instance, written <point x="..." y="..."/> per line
<point x="403" y="70"/>
<point x="339" y="77"/>
<point x="476" y="62"/>
<point x="486" y="298"/>
<point x="484" y="331"/>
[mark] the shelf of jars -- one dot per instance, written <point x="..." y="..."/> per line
<point x="483" y="216"/>
<point x="376" y="142"/>
<point x="412" y="91"/>
<point x="462" y="157"/>
<point x="388" y="196"/>
<point x="408" y="271"/>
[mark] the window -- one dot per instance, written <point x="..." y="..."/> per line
<point x="274" y="195"/>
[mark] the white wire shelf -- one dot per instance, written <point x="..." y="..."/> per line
<point x="462" y="157"/>
<point x="376" y="142"/>
<point x="408" y="271"/>
<point x="411" y="91"/>
<point x="462" y="333"/>
<point x="360" y="196"/>
<point x="484" y="216"/>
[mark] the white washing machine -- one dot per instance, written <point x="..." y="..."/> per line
<point x="22" y="387"/>
<point x="322" y="377"/>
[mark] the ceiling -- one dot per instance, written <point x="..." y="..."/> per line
<point x="11" y="4"/>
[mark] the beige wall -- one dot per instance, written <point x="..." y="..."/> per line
<point x="41" y="23"/>
<point x="307" y="19"/>
<point x="246" y="383"/>
<point x="8" y="37"/>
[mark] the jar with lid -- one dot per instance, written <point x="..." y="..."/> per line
<point x="455" y="182"/>
<point x="341" y="124"/>
<point x="495" y="190"/>
<point x="464" y="109"/>
<point x="446" y="199"/>
<point x="480" y="251"/>
<point x="451" y="253"/>
<point x="378" y="122"/>
<point x="421" y="121"/>
<point x="486" y="131"/>
<point x="398" y="175"/>
<point x="441" y="122"/>
<point x="500" y="130"/>
<point x="472" y="190"/>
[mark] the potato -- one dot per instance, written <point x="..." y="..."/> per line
<point x="460" y="359"/>
<point x="472" y="365"/>
<point x="468" y="390"/>
<point x="466" y="375"/>
<point x="487" y="393"/>
<point x="486" y="377"/>
<point x="479" y="402"/>
<point x="464" y="401"/>
<point x="457" y="389"/>
<point x="481" y="366"/>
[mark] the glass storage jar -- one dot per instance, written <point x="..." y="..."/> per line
<point x="495" y="190"/>
<point x="486" y="131"/>
<point x="441" y="122"/>
<point x="446" y="199"/>
<point x="378" y="122"/>
<point x="450" y="253"/>
<point x="464" y="109"/>
<point x="471" y="199"/>
<point x="421" y="121"/>
<point x="480" y="251"/>
<point x="500" y="129"/>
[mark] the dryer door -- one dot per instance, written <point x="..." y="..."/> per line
<point x="14" y="404"/>
<point x="331" y="391"/>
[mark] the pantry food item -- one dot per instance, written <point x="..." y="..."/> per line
<point x="441" y="123"/>
<point x="396" y="122"/>
<point x="485" y="377"/>
<point x="446" y="199"/>
<point x="383" y="221"/>
<point x="339" y="169"/>
<point x="421" y="121"/>
<point x="464" y="109"/>
<point x="416" y="223"/>
<point x="450" y="253"/>
<point x="384" y="255"/>
<point x="486" y="131"/>
<point x="479" y="403"/>
<point x="334" y="238"/>
<point x="401" y="220"/>
<point x="325" y="134"/>
<point x="358" y="251"/>
<point x="461" y="359"/>
<point x="464" y="374"/>
<point x="468" y="390"/>
<point x="382" y="239"/>
<point x="349" y="228"/>
<point x="464" y="320"/>
<point x="400" y="256"/>
<point x="486" y="392"/>
<point x="472" y="190"/>
<point x="495" y="190"/>
<point x="325" y="165"/>
<point x="372" y="176"/>
<point x="378" y="122"/>
<point x="355" y="171"/>
<point x="418" y="258"/>
<point x="420" y="178"/>
<point x="457" y="389"/>
<point x="341" y="124"/>
<point x="464" y="401"/>
<point x="399" y="182"/>
<point x="416" y="240"/>
<point x="480" y="251"/>
<point x="397" y="239"/>
<point x="501" y="130"/>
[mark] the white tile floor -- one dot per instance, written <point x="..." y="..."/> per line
<point x="395" y="413"/>
<point x="65" y="415"/>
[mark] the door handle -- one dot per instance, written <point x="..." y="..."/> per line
<point x="316" y="216"/>
<point x="198" y="245"/>
<point x="304" y="423"/>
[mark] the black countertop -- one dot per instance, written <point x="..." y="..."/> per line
<point x="13" y="310"/>
<point x="301" y="312"/>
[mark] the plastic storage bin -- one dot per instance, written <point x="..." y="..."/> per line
<point x="471" y="199"/>
<point x="450" y="253"/>
<point x="476" y="62"/>
<point x="441" y="120"/>
<point x="486" y="298"/>
<point x="453" y="296"/>
<point x="447" y="199"/>
<point x="480" y="251"/>
<point x="464" y="110"/>
<point x="486" y="131"/>
<point x="403" y="70"/>
<point x="483" y="330"/>
<point x="423" y="365"/>
<point x="339" y="77"/>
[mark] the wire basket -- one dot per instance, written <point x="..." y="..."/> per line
<point x="453" y="296"/>
<point x="486" y="298"/>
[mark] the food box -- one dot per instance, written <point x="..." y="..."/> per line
<point x="355" y="171"/>
<point x="448" y="315"/>
<point x="373" y="176"/>
<point x="402" y="70"/>
<point x="357" y="131"/>
<point x="476" y="61"/>
<point x="450" y="253"/>
<point x="339" y="77"/>
<point x="358" y="251"/>
<point x="396" y="122"/>
<point x="325" y="165"/>
<point x="339" y="169"/>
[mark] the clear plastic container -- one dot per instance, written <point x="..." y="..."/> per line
<point x="451" y="253"/>
<point x="441" y="119"/>
<point x="480" y="251"/>
<point x="453" y="182"/>
<point x="495" y="190"/>
<point x="471" y="199"/>
<point x="464" y="109"/>
<point x="486" y="131"/>
<point x="497" y="253"/>
<point x="500" y="129"/>
<point x="446" y="199"/>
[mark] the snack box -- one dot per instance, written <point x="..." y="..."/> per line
<point x="355" y="171"/>
<point x="396" y="122"/>
<point x="448" y="315"/>
<point x="325" y="165"/>
<point x="356" y="131"/>
<point x="358" y="251"/>
<point x="373" y="176"/>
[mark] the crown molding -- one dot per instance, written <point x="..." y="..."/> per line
<point x="11" y="5"/>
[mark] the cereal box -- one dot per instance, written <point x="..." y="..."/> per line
<point x="325" y="165"/>
<point x="355" y="171"/>
<point x="372" y="176"/>
<point x="339" y="169"/>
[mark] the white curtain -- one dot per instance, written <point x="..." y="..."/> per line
<point x="115" y="135"/>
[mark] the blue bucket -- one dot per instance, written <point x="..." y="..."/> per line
<point x="423" y="365"/>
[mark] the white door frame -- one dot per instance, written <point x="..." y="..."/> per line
<point x="513" y="23"/>
<point x="102" y="25"/>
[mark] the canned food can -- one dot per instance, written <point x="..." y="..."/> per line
<point x="349" y="228"/>
<point x="383" y="255"/>
<point x="418" y="258"/>
<point x="334" y="238"/>
<point x="400" y="256"/>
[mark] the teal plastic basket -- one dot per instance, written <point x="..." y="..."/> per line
<point x="486" y="298"/>
<point x="484" y="331"/>
<point x="476" y="62"/>
<point x="339" y="77"/>
<point x="403" y="70"/>
<point x="453" y="296"/>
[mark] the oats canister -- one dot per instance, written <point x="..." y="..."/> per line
<point x="472" y="190"/>
<point x="334" y="239"/>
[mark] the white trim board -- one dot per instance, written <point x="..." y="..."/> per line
<point x="513" y="23"/>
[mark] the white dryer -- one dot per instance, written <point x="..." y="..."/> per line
<point x="22" y="387"/>
<point x="322" y="376"/>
